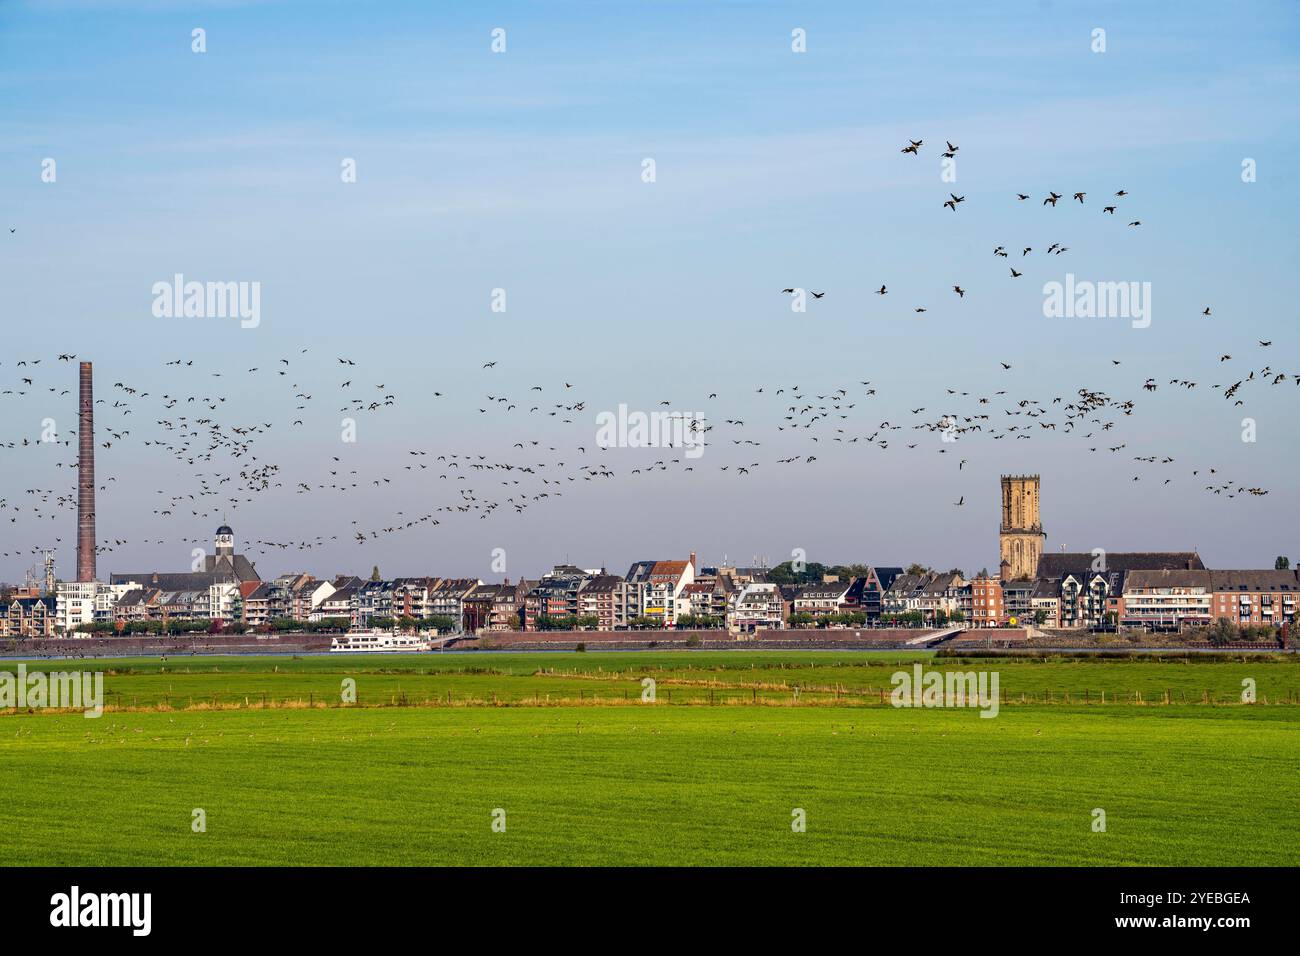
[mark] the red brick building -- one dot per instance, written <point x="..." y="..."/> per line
<point x="986" y="609"/>
<point x="1258" y="598"/>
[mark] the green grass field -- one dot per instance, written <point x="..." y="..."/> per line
<point x="681" y="676"/>
<point x="670" y="783"/>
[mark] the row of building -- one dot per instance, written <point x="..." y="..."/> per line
<point x="1148" y="590"/>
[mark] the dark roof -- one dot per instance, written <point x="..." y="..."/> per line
<point x="886" y="576"/>
<point x="906" y="583"/>
<point x="1059" y="564"/>
<point x="1254" y="580"/>
<point x="177" y="581"/>
<point x="639" y="571"/>
<point x="937" y="582"/>
<point x="134" y="596"/>
<point x="602" y="582"/>
<point x="1167" y="578"/>
<point x="29" y="603"/>
<point x="237" y="564"/>
<point x="1044" y="588"/>
<point x="455" y="588"/>
<point x="225" y="529"/>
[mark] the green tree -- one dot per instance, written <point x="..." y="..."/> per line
<point x="688" y="622"/>
<point x="784" y="573"/>
<point x="848" y="571"/>
<point x="1223" y="632"/>
<point x="547" y="623"/>
<point x="1282" y="563"/>
<point x="441" y="623"/>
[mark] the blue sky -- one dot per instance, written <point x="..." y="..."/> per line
<point x="522" y="171"/>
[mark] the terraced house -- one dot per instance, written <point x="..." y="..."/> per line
<point x="939" y="596"/>
<point x="338" y="603"/>
<point x="1046" y="598"/>
<point x="494" y="607"/>
<point x="709" y="596"/>
<point x="309" y="593"/>
<point x="447" y="599"/>
<point x="822" y="599"/>
<point x="875" y="584"/>
<point x="663" y="590"/>
<point x="904" y="595"/>
<point x="411" y="596"/>
<point x="604" y="597"/>
<point x="758" y="607"/>
<point x="554" y="596"/>
<point x="372" y="599"/>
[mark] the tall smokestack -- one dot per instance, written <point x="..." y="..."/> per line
<point x="86" y="477"/>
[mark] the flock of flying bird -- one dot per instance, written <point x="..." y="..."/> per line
<point x="197" y="429"/>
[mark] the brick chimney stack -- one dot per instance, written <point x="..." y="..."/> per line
<point x="86" y="477"/>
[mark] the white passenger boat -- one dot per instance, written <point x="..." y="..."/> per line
<point x="377" y="642"/>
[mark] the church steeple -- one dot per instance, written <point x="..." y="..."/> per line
<point x="1020" y="534"/>
<point x="224" y="544"/>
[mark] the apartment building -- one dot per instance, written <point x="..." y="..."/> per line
<point x="447" y="598"/>
<point x="757" y="607"/>
<point x="1255" y="598"/>
<point x="938" y="595"/>
<point x="986" y="602"/>
<point x="26" y="617"/>
<point x="1166" y="600"/>
<point x="604" y="597"/>
<point x="821" y="599"/>
<point x="663" y="590"/>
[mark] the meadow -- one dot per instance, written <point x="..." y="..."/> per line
<point x="412" y="780"/>
<point x="700" y="677"/>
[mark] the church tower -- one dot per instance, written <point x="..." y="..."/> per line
<point x="225" y="543"/>
<point x="1020" y="535"/>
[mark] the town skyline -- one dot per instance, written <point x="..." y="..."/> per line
<point x="466" y="217"/>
